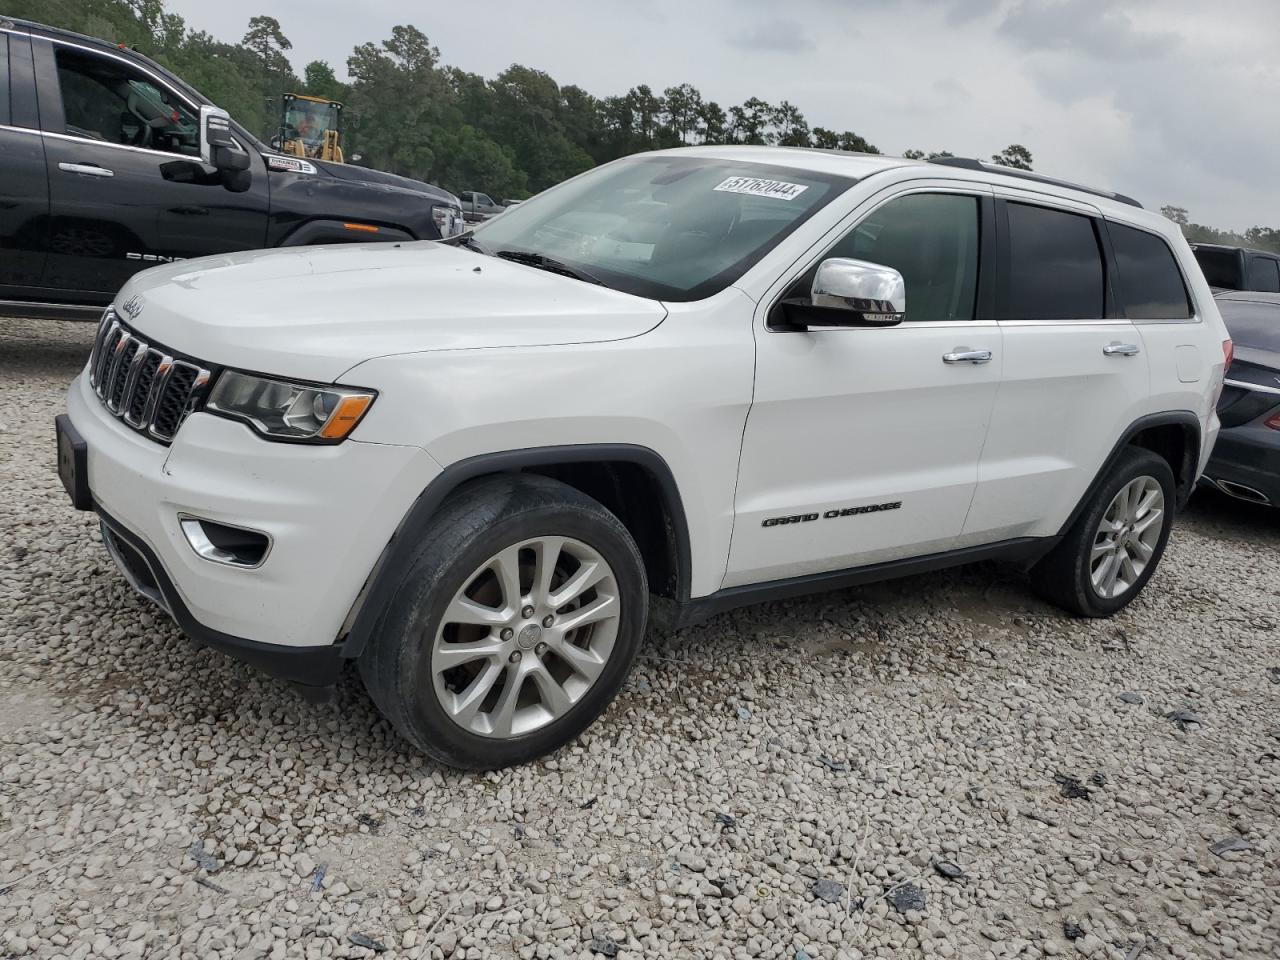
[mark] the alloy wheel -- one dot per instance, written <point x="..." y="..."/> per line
<point x="1127" y="537"/>
<point x="525" y="637"/>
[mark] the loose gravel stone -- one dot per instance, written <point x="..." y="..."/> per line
<point x="684" y="823"/>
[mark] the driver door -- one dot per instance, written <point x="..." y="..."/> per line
<point x="862" y="444"/>
<point x="127" y="189"/>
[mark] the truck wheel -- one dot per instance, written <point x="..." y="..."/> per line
<point x="1112" y="550"/>
<point x="514" y="626"/>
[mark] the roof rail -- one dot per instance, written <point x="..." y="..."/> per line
<point x="968" y="163"/>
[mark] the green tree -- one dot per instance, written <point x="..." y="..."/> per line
<point x="711" y="122"/>
<point x="267" y="41"/>
<point x="789" y="127"/>
<point x="749" y="123"/>
<point x="682" y="106"/>
<point x="319" y="80"/>
<point x="404" y="102"/>
<point x="1177" y="214"/>
<point x="1015" y="155"/>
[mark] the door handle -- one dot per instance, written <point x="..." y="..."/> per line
<point x="1118" y="349"/>
<point x="88" y="169"/>
<point x="965" y="355"/>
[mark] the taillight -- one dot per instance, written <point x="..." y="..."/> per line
<point x="1273" y="422"/>
<point x="1228" y="354"/>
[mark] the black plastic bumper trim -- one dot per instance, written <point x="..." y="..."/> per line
<point x="305" y="666"/>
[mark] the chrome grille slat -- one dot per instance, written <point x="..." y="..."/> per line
<point x="119" y="373"/>
<point x="150" y="390"/>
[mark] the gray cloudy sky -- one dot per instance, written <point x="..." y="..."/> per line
<point x="1170" y="101"/>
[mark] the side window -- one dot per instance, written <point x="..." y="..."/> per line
<point x="1055" y="265"/>
<point x="1264" y="275"/>
<point x="1149" y="284"/>
<point x="932" y="240"/>
<point x="105" y="100"/>
<point x="4" y="78"/>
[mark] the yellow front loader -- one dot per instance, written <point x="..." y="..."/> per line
<point x="311" y="127"/>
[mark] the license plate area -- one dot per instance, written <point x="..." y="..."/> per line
<point x="73" y="463"/>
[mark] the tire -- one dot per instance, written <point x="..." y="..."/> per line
<point x="1068" y="576"/>
<point x="442" y="663"/>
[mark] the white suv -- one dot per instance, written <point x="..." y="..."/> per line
<point x="677" y="383"/>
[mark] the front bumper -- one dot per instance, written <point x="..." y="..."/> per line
<point x="1248" y="456"/>
<point x="329" y="511"/>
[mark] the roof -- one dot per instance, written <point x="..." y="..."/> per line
<point x="1198" y="245"/>
<point x="860" y="165"/>
<point x="839" y="162"/>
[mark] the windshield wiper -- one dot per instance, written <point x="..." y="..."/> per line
<point x="469" y="241"/>
<point x="547" y="263"/>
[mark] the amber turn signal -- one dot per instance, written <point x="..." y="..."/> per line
<point x="345" y="417"/>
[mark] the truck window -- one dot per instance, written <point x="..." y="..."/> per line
<point x="1221" y="268"/>
<point x="1264" y="275"/>
<point x="1055" y="265"/>
<point x="106" y="100"/>
<point x="1149" y="284"/>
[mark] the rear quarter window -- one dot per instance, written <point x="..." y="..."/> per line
<point x="1148" y="282"/>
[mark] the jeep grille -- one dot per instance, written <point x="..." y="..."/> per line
<point x="143" y="384"/>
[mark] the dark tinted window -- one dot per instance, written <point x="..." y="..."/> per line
<point x="1055" y="269"/>
<point x="1264" y="275"/>
<point x="1221" y="267"/>
<point x="1149" y="284"/>
<point x="105" y="100"/>
<point x="4" y="78"/>
<point x="1252" y="323"/>
<point x="932" y="240"/>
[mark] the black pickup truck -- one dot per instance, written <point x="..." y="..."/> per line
<point x="110" y="164"/>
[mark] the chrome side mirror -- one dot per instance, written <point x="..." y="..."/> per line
<point x="876" y="295"/>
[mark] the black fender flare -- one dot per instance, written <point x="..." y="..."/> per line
<point x="336" y="231"/>
<point x="1185" y="474"/>
<point x="388" y="573"/>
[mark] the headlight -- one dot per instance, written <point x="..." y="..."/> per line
<point x="282" y="410"/>
<point x="448" y="220"/>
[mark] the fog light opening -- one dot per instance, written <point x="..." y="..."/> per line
<point x="224" y="543"/>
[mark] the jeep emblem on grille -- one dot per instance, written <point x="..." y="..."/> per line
<point x="133" y="307"/>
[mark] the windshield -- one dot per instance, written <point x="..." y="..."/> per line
<point x="664" y="227"/>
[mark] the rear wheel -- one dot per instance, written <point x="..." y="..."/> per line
<point x="514" y="627"/>
<point x="1113" y="549"/>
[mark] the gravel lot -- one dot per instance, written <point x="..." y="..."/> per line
<point x="787" y="781"/>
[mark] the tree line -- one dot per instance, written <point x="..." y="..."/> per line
<point x="1260" y="238"/>
<point x="408" y="112"/>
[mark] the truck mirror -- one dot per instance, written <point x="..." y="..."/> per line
<point x="219" y="149"/>
<point x="215" y="132"/>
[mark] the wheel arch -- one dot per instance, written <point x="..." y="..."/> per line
<point x="1174" y="435"/>
<point x="612" y="473"/>
<point x="336" y="231"/>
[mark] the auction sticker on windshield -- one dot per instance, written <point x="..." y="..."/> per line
<point x="755" y="187"/>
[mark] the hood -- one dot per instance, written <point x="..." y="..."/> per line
<point x="346" y="171"/>
<point x="314" y="312"/>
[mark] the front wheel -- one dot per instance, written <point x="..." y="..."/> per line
<point x="514" y="627"/>
<point x="1113" y="549"/>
